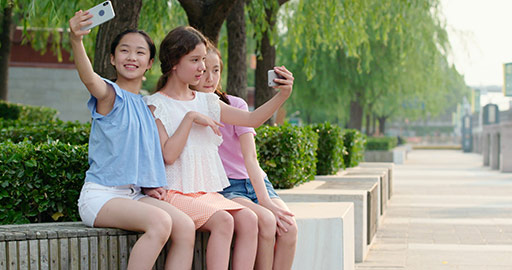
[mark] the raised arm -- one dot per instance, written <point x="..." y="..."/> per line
<point x="92" y="81"/>
<point x="235" y="116"/>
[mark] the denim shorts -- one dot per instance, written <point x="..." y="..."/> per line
<point x="242" y="188"/>
<point x="94" y="196"/>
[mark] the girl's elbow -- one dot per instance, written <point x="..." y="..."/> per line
<point x="169" y="160"/>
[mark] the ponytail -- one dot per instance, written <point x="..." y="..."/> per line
<point x="162" y="81"/>
<point x="222" y="96"/>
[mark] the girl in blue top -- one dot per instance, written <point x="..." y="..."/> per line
<point x="125" y="157"/>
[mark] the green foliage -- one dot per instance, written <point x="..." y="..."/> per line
<point x="73" y="133"/>
<point x="330" y="150"/>
<point x="381" y="143"/>
<point x="40" y="182"/>
<point x="24" y="112"/>
<point x="354" y="141"/>
<point x="287" y="154"/>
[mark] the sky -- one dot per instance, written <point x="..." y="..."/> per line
<point x="480" y="33"/>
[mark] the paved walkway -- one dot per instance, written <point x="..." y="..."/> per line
<point x="447" y="212"/>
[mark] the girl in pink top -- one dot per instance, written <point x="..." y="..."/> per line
<point x="249" y="184"/>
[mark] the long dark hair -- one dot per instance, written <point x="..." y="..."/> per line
<point x="177" y="43"/>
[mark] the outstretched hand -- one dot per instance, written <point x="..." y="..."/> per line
<point x="79" y="21"/>
<point x="284" y="85"/>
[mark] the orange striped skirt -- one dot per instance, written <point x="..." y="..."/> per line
<point x="202" y="205"/>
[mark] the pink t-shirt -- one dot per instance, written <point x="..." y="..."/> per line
<point x="230" y="151"/>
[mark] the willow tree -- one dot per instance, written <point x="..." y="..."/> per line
<point x="400" y="57"/>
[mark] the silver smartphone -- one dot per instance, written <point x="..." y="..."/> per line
<point x="271" y="76"/>
<point x="100" y="13"/>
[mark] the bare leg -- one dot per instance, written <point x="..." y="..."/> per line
<point x="286" y="243"/>
<point x="266" y="233"/>
<point x="220" y="226"/>
<point x="137" y="216"/>
<point x="183" y="234"/>
<point x="246" y="241"/>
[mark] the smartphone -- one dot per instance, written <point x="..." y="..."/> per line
<point x="100" y="13"/>
<point x="271" y="76"/>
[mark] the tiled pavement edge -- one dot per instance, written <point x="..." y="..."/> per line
<point x="449" y="212"/>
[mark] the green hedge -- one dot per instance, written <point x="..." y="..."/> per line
<point x="330" y="149"/>
<point x="287" y="154"/>
<point x="16" y="111"/>
<point x="39" y="132"/>
<point x="354" y="143"/>
<point x="40" y="182"/>
<point x="381" y="143"/>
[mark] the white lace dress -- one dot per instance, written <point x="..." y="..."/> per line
<point x="197" y="174"/>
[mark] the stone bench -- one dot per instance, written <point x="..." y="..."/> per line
<point x="354" y="178"/>
<point x="397" y="155"/>
<point x="389" y="166"/>
<point x="325" y="237"/>
<point x="382" y="173"/>
<point x="325" y="241"/>
<point x="365" y="200"/>
<point x="72" y="245"/>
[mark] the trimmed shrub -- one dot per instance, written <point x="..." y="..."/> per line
<point x="330" y="149"/>
<point x="354" y="142"/>
<point x="16" y="111"/>
<point x="42" y="182"/>
<point x="287" y="154"/>
<point x="66" y="132"/>
<point x="381" y="143"/>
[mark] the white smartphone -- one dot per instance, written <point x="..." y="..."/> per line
<point x="271" y="76"/>
<point x="100" y="13"/>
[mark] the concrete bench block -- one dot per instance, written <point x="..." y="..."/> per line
<point x="365" y="209"/>
<point x="325" y="237"/>
<point x="389" y="166"/>
<point x="356" y="178"/>
<point x="382" y="173"/>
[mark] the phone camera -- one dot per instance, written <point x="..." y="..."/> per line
<point x="101" y="13"/>
<point x="105" y="4"/>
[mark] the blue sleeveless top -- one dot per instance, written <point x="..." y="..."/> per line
<point x="124" y="146"/>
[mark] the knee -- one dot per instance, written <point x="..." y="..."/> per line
<point x="224" y="223"/>
<point x="290" y="237"/>
<point x="247" y="221"/>
<point x="267" y="225"/>
<point x="184" y="231"/>
<point x="160" y="226"/>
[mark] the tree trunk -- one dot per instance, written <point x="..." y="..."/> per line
<point x="382" y="124"/>
<point x="356" y="115"/>
<point x="374" y="124"/>
<point x="262" y="93"/>
<point x="368" y="124"/>
<point x="207" y="16"/>
<point x="5" y="49"/>
<point x="237" y="63"/>
<point x="127" y="17"/>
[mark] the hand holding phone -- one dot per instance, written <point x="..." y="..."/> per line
<point x="100" y="13"/>
<point x="271" y="76"/>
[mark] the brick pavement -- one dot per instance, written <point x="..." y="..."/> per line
<point x="448" y="212"/>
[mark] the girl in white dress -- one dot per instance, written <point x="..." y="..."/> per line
<point x="188" y="124"/>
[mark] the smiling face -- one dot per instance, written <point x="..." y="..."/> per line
<point x="132" y="57"/>
<point x="191" y="66"/>
<point x="211" y="77"/>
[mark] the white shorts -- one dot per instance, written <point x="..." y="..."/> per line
<point x="93" y="196"/>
